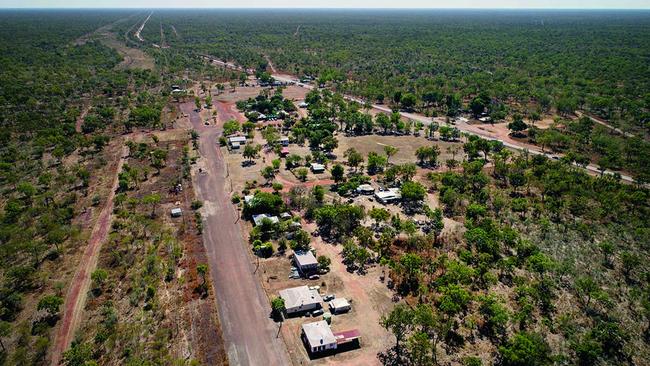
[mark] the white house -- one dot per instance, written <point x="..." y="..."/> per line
<point x="339" y="305"/>
<point x="301" y="298"/>
<point x="284" y="141"/>
<point x="317" y="168"/>
<point x="236" y="141"/>
<point x="176" y="212"/>
<point x="318" y="336"/>
<point x="258" y="219"/>
<point x="388" y="196"/>
<point x="305" y="261"/>
<point x="365" y="189"/>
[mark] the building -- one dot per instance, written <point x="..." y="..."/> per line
<point x="339" y="305"/>
<point x="284" y="141"/>
<point x="305" y="261"/>
<point x="299" y="299"/>
<point x="236" y="141"/>
<point x="284" y="152"/>
<point x="317" y="168"/>
<point x="388" y="196"/>
<point x="176" y="212"/>
<point x="365" y="189"/>
<point x="303" y="105"/>
<point x="258" y="219"/>
<point x="318" y="337"/>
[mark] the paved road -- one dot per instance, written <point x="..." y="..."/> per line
<point x="251" y="336"/>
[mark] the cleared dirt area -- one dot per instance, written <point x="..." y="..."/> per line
<point x="133" y="57"/>
<point x="292" y="92"/>
<point x="407" y="146"/>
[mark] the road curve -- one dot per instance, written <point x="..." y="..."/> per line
<point x="251" y="336"/>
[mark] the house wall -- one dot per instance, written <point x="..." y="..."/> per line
<point x="323" y="347"/>
<point x="304" y="307"/>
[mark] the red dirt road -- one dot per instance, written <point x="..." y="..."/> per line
<point x="75" y="299"/>
<point x="251" y="336"/>
<point x="80" y="119"/>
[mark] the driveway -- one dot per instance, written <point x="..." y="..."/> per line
<point x="251" y="336"/>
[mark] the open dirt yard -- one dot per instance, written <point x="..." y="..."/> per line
<point x="292" y="92"/>
<point x="407" y="146"/>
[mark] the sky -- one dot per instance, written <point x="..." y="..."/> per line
<point x="513" y="4"/>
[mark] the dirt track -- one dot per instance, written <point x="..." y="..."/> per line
<point x="251" y="336"/>
<point x="76" y="296"/>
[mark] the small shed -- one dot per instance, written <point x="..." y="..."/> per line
<point x="339" y="305"/>
<point x="284" y="141"/>
<point x="176" y="212"/>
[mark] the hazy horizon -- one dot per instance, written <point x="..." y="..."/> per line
<point x="333" y="4"/>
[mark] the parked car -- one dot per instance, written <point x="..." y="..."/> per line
<point x="314" y="277"/>
<point x="329" y="297"/>
<point x="314" y="287"/>
<point x="317" y="312"/>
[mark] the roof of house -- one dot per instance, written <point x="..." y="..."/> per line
<point x="391" y="193"/>
<point x="295" y="296"/>
<point x="176" y="210"/>
<point x="259" y="218"/>
<point x="339" y="302"/>
<point x="237" y="139"/>
<point x="284" y="138"/>
<point x="347" y="336"/>
<point x="318" y="333"/>
<point x="249" y="198"/>
<point x="365" y="188"/>
<point x="317" y="166"/>
<point x="305" y="258"/>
